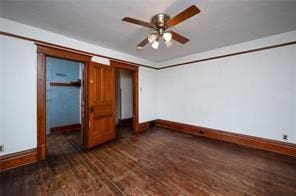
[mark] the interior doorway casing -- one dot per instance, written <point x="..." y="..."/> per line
<point x="135" y="70"/>
<point x="44" y="51"/>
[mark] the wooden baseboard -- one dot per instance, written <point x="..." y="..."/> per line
<point x="18" y="159"/>
<point x="245" y="140"/>
<point x="146" y="125"/>
<point x="73" y="127"/>
<point x="143" y="126"/>
<point x="128" y="122"/>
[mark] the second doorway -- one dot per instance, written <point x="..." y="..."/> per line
<point x="124" y="101"/>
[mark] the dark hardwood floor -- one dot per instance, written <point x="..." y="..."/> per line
<point x="155" y="162"/>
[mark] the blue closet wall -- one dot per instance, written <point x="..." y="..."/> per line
<point x="62" y="103"/>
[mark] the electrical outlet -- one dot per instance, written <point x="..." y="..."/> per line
<point x="2" y="148"/>
<point x="285" y="137"/>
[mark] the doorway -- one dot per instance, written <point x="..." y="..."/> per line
<point x="63" y="95"/>
<point x="130" y="74"/>
<point x="124" y="101"/>
<point x="97" y="99"/>
<point x="44" y="53"/>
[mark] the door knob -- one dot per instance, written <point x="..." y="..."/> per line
<point x="91" y="109"/>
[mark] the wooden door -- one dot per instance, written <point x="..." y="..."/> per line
<point x="101" y="104"/>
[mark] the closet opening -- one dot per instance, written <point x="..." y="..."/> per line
<point x="61" y="98"/>
<point x="124" y="102"/>
<point x="126" y="98"/>
<point x="64" y="98"/>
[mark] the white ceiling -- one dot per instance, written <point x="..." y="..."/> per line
<point x="220" y="23"/>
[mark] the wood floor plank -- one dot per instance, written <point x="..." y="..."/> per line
<point x="155" y="162"/>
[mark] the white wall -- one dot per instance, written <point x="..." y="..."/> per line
<point x="147" y="94"/>
<point x="126" y="86"/>
<point x="1" y="92"/>
<point x="18" y="84"/>
<point x="18" y="97"/>
<point x="252" y="94"/>
<point x="47" y="36"/>
<point x="124" y="94"/>
<point x="294" y="98"/>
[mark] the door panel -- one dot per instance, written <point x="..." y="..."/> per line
<point x="101" y="91"/>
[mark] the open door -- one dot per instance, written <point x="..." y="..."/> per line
<point x="101" y="104"/>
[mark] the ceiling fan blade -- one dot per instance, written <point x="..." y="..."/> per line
<point x="179" y="38"/>
<point x="138" y="22"/>
<point x="142" y="43"/>
<point x="189" y="12"/>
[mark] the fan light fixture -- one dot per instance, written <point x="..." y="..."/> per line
<point x="155" y="44"/>
<point x="168" y="43"/>
<point x="167" y="36"/>
<point x="152" y="37"/>
<point x="161" y="25"/>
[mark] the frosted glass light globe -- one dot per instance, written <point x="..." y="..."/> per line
<point x="155" y="44"/>
<point x="167" y="36"/>
<point x="152" y="37"/>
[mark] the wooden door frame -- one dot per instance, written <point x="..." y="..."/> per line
<point x="135" y="70"/>
<point x="44" y="51"/>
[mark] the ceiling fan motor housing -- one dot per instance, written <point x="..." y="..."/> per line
<point x="159" y="22"/>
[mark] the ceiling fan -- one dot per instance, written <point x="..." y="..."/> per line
<point x="161" y="24"/>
